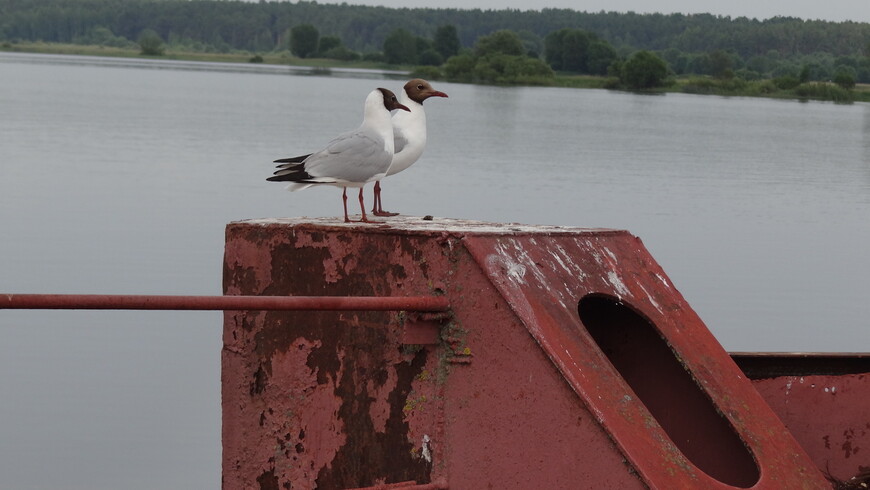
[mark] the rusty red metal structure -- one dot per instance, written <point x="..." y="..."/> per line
<point x="415" y="355"/>
<point x="567" y="360"/>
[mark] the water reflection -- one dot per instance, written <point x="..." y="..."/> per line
<point x="182" y="65"/>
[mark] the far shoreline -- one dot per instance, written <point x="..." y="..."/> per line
<point x="697" y="85"/>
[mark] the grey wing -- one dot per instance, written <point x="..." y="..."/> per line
<point x="399" y="140"/>
<point x="354" y="157"/>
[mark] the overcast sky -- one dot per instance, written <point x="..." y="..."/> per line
<point x="835" y="10"/>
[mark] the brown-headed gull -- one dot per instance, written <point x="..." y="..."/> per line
<point x="409" y="133"/>
<point x="352" y="159"/>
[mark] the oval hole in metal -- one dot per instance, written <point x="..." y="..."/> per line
<point x="637" y="350"/>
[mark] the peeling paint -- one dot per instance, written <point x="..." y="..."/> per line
<point x="418" y="224"/>
<point x="663" y="281"/>
<point x="541" y="297"/>
<point x="649" y="297"/>
<point x="617" y="283"/>
<point x="331" y="400"/>
<point x="558" y="254"/>
<point x="425" y="452"/>
<point x="512" y="270"/>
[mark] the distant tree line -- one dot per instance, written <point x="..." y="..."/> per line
<point x="494" y="45"/>
<point x="264" y="26"/>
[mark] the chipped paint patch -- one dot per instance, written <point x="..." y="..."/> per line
<point x="613" y="259"/>
<point x="512" y="270"/>
<point x="615" y="281"/>
<point x="566" y="262"/>
<point x="379" y="411"/>
<point x="425" y="452"/>
<point x="663" y="280"/>
<point x="650" y="298"/>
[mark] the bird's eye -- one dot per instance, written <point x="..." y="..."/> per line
<point x="419" y="87"/>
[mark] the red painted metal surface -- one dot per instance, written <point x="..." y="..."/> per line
<point x="144" y="302"/>
<point x="828" y="415"/>
<point x="311" y="403"/>
<point x="522" y="390"/>
<point x="824" y="401"/>
<point x="407" y="485"/>
<point x="544" y="280"/>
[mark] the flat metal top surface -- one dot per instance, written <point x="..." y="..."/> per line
<point x="427" y="224"/>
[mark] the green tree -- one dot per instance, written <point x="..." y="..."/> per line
<point x="327" y="43"/>
<point x="400" y="47"/>
<point x="489" y="63"/>
<point x="845" y="77"/>
<point x="150" y="43"/>
<point x="554" y="48"/>
<point x="446" y="41"/>
<point x="423" y="44"/>
<point x="332" y="48"/>
<point x="500" y="42"/>
<point x="601" y="56"/>
<point x="524" y="69"/>
<point x="759" y="63"/>
<point x="262" y="41"/>
<point x="699" y="64"/>
<point x="721" y="64"/>
<point x="341" y="53"/>
<point x="805" y="74"/>
<point x="644" y="70"/>
<point x="430" y="57"/>
<point x="578" y="51"/>
<point x="499" y="58"/>
<point x="459" y="68"/>
<point x="533" y="44"/>
<point x="575" y="51"/>
<point x="303" y="40"/>
<point x="102" y="36"/>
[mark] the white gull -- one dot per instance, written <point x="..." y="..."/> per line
<point x="352" y="159"/>
<point x="409" y="132"/>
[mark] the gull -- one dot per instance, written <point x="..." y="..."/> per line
<point x="409" y="133"/>
<point x="352" y="159"/>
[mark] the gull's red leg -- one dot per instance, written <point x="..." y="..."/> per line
<point x="362" y="206"/>
<point x="344" y="200"/>
<point x="378" y="209"/>
<point x="377" y="198"/>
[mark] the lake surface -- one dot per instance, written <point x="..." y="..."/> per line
<point x="118" y="177"/>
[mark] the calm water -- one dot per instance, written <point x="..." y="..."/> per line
<point x="118" y="177"/>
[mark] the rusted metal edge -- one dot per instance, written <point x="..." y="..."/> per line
<point x="761" y="365"/>
<point x="417" y="226"/>
<point x="166" y="302"/>
<point x="439" y="484"/>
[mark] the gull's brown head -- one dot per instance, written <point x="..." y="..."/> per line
<point x="391" y="102"/>
<point x="419" y="90"/>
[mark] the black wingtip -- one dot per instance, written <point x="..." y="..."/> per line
<point x="298" y="159"/>
<point x="290" y="175"/>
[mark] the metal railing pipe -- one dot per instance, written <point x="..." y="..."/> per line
<point x="167" y="302"/>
